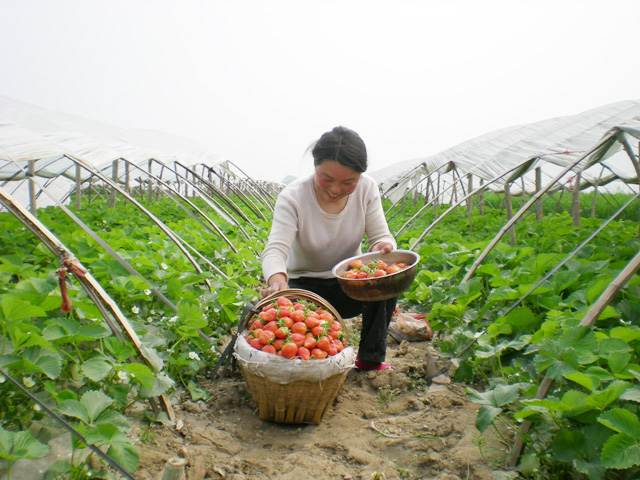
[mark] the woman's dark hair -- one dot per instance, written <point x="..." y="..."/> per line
<point x="342" y="145"/>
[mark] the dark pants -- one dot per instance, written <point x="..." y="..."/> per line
<point x="376" y="316"/>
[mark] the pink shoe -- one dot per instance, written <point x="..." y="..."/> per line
<point x="373" y="366"/>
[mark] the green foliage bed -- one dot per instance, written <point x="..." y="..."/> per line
<point x="587" y="425"/>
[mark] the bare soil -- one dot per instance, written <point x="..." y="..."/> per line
<point x="382" y="425"/>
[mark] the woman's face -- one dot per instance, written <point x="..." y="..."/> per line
<point x="334" y="181"/>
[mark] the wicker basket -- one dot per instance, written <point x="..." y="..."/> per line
<point x="304" y="395"/>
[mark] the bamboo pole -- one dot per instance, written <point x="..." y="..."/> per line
<point x="481" y="197"/>
<point x="575" y="200"/>
<point x="595" y="194"/>
<point x="470" y="203"/>
<point x="32" y="188"/>
<point x="509" y="206"/>
<point x="78" y="187"/>
<point x="149" y="186"/>
<point x="127" y="186"/>
<point x="539" y="200"/>
<point x="112" y="199"/>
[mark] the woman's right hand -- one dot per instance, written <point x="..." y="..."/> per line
<point x="277" y="282"/>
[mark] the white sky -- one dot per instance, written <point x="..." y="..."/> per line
<point x="259" y="81"/>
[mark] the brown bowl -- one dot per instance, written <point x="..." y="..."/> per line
<point x="378" y="288"/>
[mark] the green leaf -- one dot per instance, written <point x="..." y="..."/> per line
<point x="97" y="367"/>
<point x="500" y="395"/>
<point x="73" y="408"/>
<point x="36" y="360"/>
<point x="141" y="372"/>
<point x="603" y="399"/>
<point x="35" y="290"/>
<point x="568" y="445"/>
<point x="529" y="464"/>
<point x="125" y="454"/>
<point x="620" y="451"/>
<point x="151" y="355"/>
<point x="190" y="314"/>
<point x="101" y="434"/>
<point x="587" y="381"/>
<point x="618" y="361"/>
<point x="174" y="288"/>
<point x="521" y="318"/>
<point x="15" y="309"/>
<point x="621" y="421"/>
<point x="18" y="445"/>
<point x="608" y="313"/>
<point x="610" y="345"/>
<point x="50" y="365"/>
<point x="503" y="293"/>
<point x="597" y="286"/>
<point x="628" y="334"/>
<point x="486" y="415"/>
<point x="196" y="392"/>
<point x="160" y="387"/>
<point x="95" y="401"/>
<point x="632" y="394"/>
<point x="114" y="418"/>
<point x="227" y="296"/>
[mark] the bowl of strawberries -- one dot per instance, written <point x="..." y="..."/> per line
<point x="374" y="276"/>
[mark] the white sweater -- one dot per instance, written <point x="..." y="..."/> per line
<point x="305" y="241"/>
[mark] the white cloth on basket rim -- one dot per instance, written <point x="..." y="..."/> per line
<point x="283" y="370"/>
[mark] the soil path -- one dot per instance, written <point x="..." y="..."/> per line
<point x="383" y="425"/>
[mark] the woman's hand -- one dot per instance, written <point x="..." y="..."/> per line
<point x="277" y="282"/>
<point x="382" y="247"/>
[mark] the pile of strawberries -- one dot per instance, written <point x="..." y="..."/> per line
<point x="372" y="269"/>
<point x="296" y="329"/>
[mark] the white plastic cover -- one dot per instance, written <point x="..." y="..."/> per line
<point x="551" y="144"/>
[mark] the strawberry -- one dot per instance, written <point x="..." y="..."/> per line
<point x="284" y="302"/>
<point x="267" y="336"/>
<point x="324" y="343"/>
<point x="318" y="354"/>
<point x="310" y="342"/>
<point x="299" y="327"/>
<point x="304" y="353"/>
<point x="282" y="332"/>
<point x="289" y="350"/>
<point x="297" y="316"/>
<point x="298" y="339"/>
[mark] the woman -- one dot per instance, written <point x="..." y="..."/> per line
<point x="319" y="221"/>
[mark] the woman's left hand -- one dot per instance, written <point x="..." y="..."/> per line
<point x="382" y="247"/>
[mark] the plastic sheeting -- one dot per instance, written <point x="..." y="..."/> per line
<point x="51" y="139"/>
<point x="551" y="144"/>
